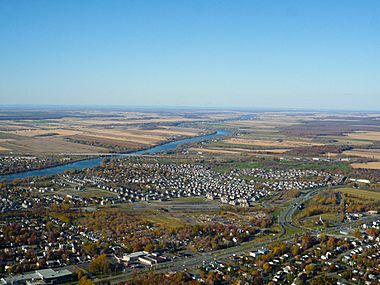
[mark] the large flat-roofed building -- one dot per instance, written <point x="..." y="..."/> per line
<point x="48" y="276"/>
<point x="148" y="260"/>
<point x="54" y="277"/>
<point x="134" y="256"/>
<point x="19" y="279"/>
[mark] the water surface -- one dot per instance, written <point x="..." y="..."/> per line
<point x="93" y="162"/>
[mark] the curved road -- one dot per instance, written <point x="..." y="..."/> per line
<point x="285" y="218"/>
<point x="285" y="221"/>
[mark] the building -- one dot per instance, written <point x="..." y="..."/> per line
<point x="148" y="260"/>
<point x="134" y="256"/>
<point x="47" y="276"/>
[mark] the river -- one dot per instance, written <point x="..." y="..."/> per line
<point x="93" y="162"/>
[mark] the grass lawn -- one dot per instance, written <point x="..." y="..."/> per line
<point x="309" y="222"/>
<point x="290" y="232"/>
<point x="87" y="192"/>
<point x="186" y="200"/>
<point x="165" y="221"/>
<point x="226" y="167"/>
<point x="362" y="194"/>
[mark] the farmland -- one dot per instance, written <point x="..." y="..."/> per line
<point x="369" y="136"/>
<point x="362" y="194"/>
<point x="367" y="153"/>
<point x="269" y="176"/>
<point x="93" y="133"/>
<point x="327" y="137"/>
<point x="367" y="165"/>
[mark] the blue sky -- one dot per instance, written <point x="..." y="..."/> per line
<point x="273" y="54"/>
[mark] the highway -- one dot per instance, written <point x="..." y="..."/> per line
<point x="285" y="218"/>
<point x="285" y="221"/>
<point x="189" y="263"/>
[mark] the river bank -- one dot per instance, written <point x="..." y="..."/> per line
<point x="93" y="162"/>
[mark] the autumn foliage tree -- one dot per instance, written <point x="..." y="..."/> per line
<point x="100" y="264"/>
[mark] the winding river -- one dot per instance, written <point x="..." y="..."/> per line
<point x="93" y="162"/>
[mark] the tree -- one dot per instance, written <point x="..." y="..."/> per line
<point x="84" y="280"/>
<point x="212" y="278"/>
<point x="331" y="243"/>
<point x="321" y="280"/>
<point x="90" y="248"/>
<point x="50" y="226"/>
<point x="309" y="268"/>
<point x="149" y="247"/>
<point x="80" y="274"/>
<point x="295" y="250"/>
<point x="11" y="269"/>
<point x="100" y="264"/>
<point x="357" y="234"/>
<point x="266" y="267"/>
<point x="306" y="241"/>
<point x="371" y="232"/>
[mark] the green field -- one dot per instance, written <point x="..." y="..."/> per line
<point x="86" y="192"/>
<point x="226" y="167"/>
<point x="362" y="194"/>
<point x="165" y="220"/>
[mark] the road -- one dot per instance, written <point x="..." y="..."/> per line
<point x="189" y="263"/>
<point x="197" y="260"/>
<point x="285" y="218"/>
<point x="285" y="221"/>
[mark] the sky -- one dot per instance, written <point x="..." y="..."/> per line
<point x="307" y="54"/>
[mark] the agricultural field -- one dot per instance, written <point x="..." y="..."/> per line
<point x="3" y="149"/>
<point x="352" y="138"/>
<point x="367" y="165"/>
<point x="366" y="153"/>
<point x="251" y="134"/>
<point x="223" y="151"/>
<point x="96" y="132"/>
<point x="369" y="136"/>
<point x="373" y="195"/>
<point x="48" y="145"/>
<point x="236" y="151"/>
<point x="246" y="141"/>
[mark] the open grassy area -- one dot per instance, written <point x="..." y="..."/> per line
<point x="86" y="192"/>
<point x="345" y="167"/>
<point x="225" y="167"/>
<point x="362" y="194"/>
<point x="329" y="219"/>
<point x="174" y="213"/>
<point x="165" y="220"/>
<point x="327" y="206"/>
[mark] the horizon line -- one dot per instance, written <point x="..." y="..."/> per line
<point x="183" y="107"/>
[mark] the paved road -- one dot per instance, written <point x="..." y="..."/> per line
<point x="197" y="260"/>
<point x="285" y="218"/>
<point x="285" y="221"/>
<point x="193" y="262"/>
